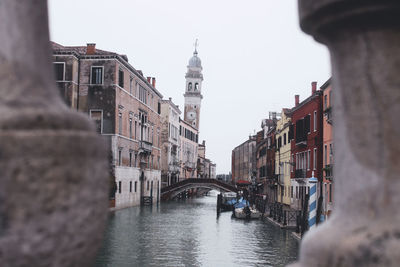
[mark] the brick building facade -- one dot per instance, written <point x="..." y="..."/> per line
<point x="125" y="107"/>
<point x="306" y="144"/>
<point x="244" y="161"/>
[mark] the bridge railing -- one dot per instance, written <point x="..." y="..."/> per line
<point x="198" y="181"/>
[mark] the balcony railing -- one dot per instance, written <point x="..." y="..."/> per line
<point x="189" y="165"/>
<point x="328" y="114"/>
<point x="146" y="146"/>
<point x="300" y="173"/>
<point x="328" y="171"/>
<point x="301" y="142"/>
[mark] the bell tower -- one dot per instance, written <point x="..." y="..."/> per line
<point x="193" y="96"/>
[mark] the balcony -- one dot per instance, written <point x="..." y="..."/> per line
<point x="146" y="147"/>
<point x="301" y="141"/>
<point x="189" y="165"/>
<point x="328" y="114"/>
<point x="300" y="173"/>
<point x="328" y="171"/>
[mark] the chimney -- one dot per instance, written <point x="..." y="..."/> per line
<point x="170" y="99"/>
<point x="149" y="79"/>
<point x="313" y="88"/>
<point x="91" y="49"/>
<point x="297" y="100"/>
<point x="153" y="82"/>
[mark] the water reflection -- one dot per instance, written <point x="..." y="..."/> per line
<point x="190" y="234"/>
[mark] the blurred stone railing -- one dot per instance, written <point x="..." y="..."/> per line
<point x="53" y="166"/>
<point x="363" y="37"/>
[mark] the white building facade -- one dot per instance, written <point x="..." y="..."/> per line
<point x="189" y="150"/>
<point x="170" y="139"/>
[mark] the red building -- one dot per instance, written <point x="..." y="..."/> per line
<point x="306" y="134"/>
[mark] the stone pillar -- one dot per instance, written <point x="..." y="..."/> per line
<point x="53" y="166"/>
<point x="363" y="38"/>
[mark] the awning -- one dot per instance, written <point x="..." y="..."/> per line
<point x="243" y="182"/>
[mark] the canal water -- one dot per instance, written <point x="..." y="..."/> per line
<point x="188" y="233"/>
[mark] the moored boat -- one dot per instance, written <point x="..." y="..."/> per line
<point x="229" y="199"/>
<point x="246" y="213"/>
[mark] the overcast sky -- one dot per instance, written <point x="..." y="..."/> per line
<point x="255" y="57"/>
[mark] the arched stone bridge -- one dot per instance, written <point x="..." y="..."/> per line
<point x="172" y="191"/>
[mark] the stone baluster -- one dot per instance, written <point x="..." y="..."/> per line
<point x="363" y="38"/>
<point x="53" y="166"/>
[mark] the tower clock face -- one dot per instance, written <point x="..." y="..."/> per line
<point x="192" y="115"/>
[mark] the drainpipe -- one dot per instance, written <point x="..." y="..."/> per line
<point x="79" y="82"/>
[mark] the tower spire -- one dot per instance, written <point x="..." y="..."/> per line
<point x="196" y="44"/>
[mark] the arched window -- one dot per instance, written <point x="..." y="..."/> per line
<point x="190" y="86"/>
<point x="196" y="87"/>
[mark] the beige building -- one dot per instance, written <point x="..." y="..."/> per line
<point x="125" y="107"/>
<point x="282" y="158"/>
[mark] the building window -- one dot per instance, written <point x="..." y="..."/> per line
<point x="196" y="87"/>
<point x="330" y="192"/>
<point x="142" y="94"/>
<point x="119" y="157"/>
<point x="59" y="71"/>
<point x="97" y="75"/>
<point x="120" y="123"/>
<point x="326" y="101"/>
<point x="135" y="187"/>
<point x="130" y="128"/>
<point x="135" y="130"/>
<point x="130" y="187"/>
<point x="97" y="117"/>
<point x="130" y="84"/>
<point x="315" y="121"/>
<point x="308" y="159"/>
<point x="130" y="159"/>
<point x="148" y="184"/>
<point x="330" y="98"/>
<point x="326" y="154"/>
<point x="291" y="191"/>
<point x="284" y="139"/>
<point x="190" y="87"/>
<point x="315" y="159"/>
<point x="121" y="78"/>
<point x="119" y="187"/>
<point x="136" y="160"/>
